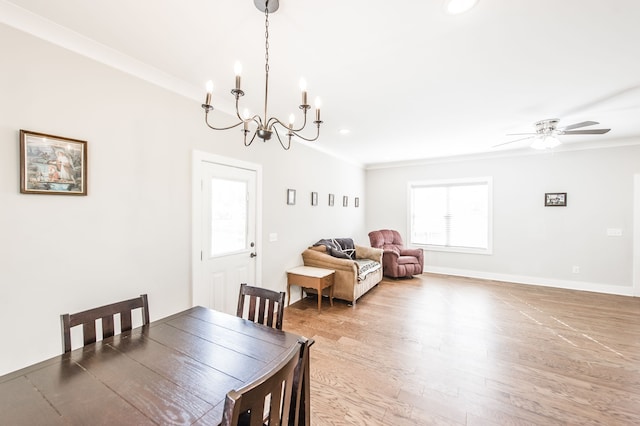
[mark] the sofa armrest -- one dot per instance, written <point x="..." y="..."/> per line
<point x="321" y="259"/>
<point x="364" y="252"/>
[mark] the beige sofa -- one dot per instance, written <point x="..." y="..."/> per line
<point x="347" y="285"/>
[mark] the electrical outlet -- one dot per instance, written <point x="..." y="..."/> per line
<point x="576" y="270"/>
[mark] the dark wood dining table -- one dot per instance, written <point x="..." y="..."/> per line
<point x="176" y="370"/>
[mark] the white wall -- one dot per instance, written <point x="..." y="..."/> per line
<point x="532" y="243"/>
<point x="132" y="233"/>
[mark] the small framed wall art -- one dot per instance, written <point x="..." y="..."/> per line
<point x="52" y="164"/>
<point x="555" y="199"/>
<point x="314" y="198"/>
<point x="331" y="198"/>
<point x="345" y="201"/>
<point x="291" y="196"/>
<point x="356" y="202"/>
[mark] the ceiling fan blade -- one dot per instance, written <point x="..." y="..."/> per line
<point x="520" y="134"/>
<point x="577" y="125"/>
<point x="517" y="140"/>
<point x="586" y="132"/>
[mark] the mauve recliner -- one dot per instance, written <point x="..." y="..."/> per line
<point x="397" y="261"/>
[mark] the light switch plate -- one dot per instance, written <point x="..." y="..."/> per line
<point x="614" y="232"/>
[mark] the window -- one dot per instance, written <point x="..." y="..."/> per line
<point x="451" y="215"/>
<point x="228" y="216"/>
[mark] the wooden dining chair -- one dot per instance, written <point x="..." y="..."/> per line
<point x="300" y="410"/>
<point x="265" y="305"/>
<point x="246" y="406"/>
<point x="105" y="313"/>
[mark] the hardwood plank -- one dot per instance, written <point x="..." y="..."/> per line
<point x="20" y="407"/>
<point x="436" y="349"/>
<point x="230" y="362"/>
<point x="81" y="399"/>
<point x="245" y="344"/>
<point x="198" y="379"/>
<point x="150" y="393"/>
<point x="239" y="325"/>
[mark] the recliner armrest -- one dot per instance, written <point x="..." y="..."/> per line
<point x="417" y="252"/>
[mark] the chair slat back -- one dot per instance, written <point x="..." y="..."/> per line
<point x="246" y="406"/>
<point x="300" y="410"/>
<point x="266" y="306"/>
<point x="106" y="314"/>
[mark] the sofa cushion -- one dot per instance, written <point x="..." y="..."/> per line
<point x="365" y="267"/>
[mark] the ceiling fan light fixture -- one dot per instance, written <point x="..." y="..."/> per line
<point x="545" y="142"/>
<point x="455" y="7"/>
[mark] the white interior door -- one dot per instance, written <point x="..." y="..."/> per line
<point x="228" y="245"/>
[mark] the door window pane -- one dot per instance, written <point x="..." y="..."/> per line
<point x="229" y="208"/>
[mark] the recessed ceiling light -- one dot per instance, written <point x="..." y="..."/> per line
<point x="345" y="131"/>
<point x="455" y="7"/>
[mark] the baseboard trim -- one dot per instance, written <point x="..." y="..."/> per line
<point x="544" y="282"/>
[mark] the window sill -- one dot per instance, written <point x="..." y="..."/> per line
<point x="452" y="249"/>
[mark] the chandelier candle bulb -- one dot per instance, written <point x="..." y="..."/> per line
<point x="318" y="105"/>
<point x="209" y="92"/>
<point x="303" y="88"/>
<point x="238" y="70"/>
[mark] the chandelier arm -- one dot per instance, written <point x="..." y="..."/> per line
<point x="206" y="120"/>
<point x="237" y="108"/>
<point x="286" y="148"/>
<point x="274" y="120"/>
<point x="304" y="122"/>
<point x="245" y="138"/>
<point x="255" y="119"/>
<point x="306" y="139"/>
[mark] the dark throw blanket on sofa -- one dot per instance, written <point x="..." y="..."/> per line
<point x="339" y="247"/>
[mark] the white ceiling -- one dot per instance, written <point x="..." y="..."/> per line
<point x="409" y="81"/>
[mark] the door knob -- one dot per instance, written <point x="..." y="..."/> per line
<point x="253" y="255"/>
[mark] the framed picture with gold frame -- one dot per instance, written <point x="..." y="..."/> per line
<point x="52" y="164"/>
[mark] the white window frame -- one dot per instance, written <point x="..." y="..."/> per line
<point x="488" y="180"/>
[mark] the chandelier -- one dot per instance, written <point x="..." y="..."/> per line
<point x="264" y="128"/>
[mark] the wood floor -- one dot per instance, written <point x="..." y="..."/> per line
<point x="456" y="351"/>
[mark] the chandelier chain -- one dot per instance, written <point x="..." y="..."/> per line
<point x="266" y="37"/>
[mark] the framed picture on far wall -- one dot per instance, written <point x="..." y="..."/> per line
<point x="345" y="201"/>
<point x="555" y="199"/>
<point x="314" y="198"/>
<point x="331" y="198"/>
<point x="52" y="164"/>
<point x="291" y="197"/>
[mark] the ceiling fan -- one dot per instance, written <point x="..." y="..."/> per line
<point x="547" y="132"/>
